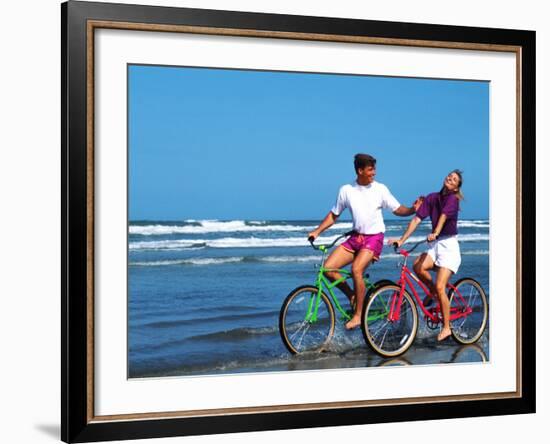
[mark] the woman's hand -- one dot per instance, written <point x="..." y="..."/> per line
<point x="392" y="241"/>
<point x="432" y="237"/>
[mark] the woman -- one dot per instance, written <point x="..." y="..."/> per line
<point x="443" y="252"/>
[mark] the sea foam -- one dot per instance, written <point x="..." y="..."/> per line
<point x="255" y="242"/>
<point x="233" y="226"/>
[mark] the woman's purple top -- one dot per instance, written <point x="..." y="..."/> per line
<point x="436" y="204"/>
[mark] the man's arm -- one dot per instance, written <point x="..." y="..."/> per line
<point x="404" y="211"/>
<point x="327" y="222"/>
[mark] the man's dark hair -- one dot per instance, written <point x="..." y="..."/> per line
<point x="362" y="161"/>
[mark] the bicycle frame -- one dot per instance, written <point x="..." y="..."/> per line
<point x="406" y="280"/>
<point x="322" y="282"/>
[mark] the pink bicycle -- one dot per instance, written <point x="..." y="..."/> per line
<point x="390" y="317"/>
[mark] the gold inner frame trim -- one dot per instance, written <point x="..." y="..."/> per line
<point x="301" y="407"/>
<point x="298" y="36"/>
<point x="96" y="24"/>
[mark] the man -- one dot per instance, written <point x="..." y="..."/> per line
<point x="365" y="200"/>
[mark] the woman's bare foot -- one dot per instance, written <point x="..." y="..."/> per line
<point x="444" y="334"/>
<point x="353" y="322"/>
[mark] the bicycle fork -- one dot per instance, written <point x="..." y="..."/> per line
<point x="396" y="301"/>
<point x="313" y="307"/>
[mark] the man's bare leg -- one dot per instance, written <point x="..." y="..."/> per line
<point x="339" y="258"/>
<point x="360" y="263"/>
<point x="443" y="276"/>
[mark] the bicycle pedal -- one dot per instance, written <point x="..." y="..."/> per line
<point x="431" y="324"/>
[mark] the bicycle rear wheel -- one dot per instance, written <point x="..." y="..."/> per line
<point x="468" y="328"/>
<point x="300" y="330"/>
<point x="385" y="337"/>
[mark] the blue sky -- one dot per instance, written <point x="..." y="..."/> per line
<point x="232" y="144"/>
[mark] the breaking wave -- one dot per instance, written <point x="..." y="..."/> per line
<point x="256" y="242"/>
<point x="234" y="226"/>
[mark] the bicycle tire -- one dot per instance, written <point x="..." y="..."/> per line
<point x="379" y="284"/>
<point x="374" y="323"/>
<point x="469" y="329"/>
<point x="296" y="332"/>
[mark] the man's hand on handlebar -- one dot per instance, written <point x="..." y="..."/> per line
<point x="312" y="236"/>
<point x="432" y="237"/>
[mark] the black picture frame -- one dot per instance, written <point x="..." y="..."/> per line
<point x="78" y="423"/>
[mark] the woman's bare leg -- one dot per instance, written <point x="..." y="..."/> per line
<point x="422" y="266"/>
<point x="443" y="276"/>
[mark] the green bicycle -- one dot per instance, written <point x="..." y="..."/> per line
<point x="307" y="319"/>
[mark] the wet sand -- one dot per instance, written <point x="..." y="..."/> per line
<point x="348" y="350"/>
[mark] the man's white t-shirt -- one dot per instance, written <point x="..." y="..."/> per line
<point x="365" y="203"/>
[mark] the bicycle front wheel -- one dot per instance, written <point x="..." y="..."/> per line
<point x="469" y="296"/>
<point x="307" y="320"/>
<point x="386" y="337"/>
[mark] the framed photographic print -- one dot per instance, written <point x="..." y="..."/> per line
<point x="275" y="221"/>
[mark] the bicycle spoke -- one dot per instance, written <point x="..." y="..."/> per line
<point x="390" y="337"/>
<point x="307" y="320"/>
<point x="468" y="327"/>
<point x="463" y="321"/>
<point x="408" y="309"/>
<point x="302" y="338"/>
<point x="377" y="331"/>
<point x="471" y="295"/>
<point x="303" y="324"/>
<point x="383" y="339"/>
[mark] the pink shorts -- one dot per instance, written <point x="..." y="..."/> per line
<point x="372" y="242"/>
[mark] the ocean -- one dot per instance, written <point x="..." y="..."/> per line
<point x="204" y="297"/>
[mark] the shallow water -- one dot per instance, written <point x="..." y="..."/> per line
<point x="204" y="297"/>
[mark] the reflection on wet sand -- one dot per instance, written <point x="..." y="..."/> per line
<point x="472" y="353"/>
<point x="348" y="350"/>
<point x="424" y="352"/>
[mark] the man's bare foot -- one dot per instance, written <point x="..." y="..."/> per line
<point x="444" y="334"/>
<point x="353" y="322"/>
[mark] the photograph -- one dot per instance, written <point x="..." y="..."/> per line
<point x="284" y="221"/>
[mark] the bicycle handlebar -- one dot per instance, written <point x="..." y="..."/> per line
<point x="409" y="251"/>
<point x="311" y="239"/>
